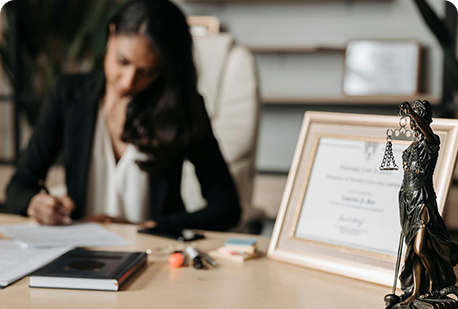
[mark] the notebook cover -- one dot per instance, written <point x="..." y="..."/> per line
<point x="87" y="264"/>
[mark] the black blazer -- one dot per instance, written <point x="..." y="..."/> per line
<point x="67" y="123"/>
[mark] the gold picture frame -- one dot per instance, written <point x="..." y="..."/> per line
<point x="310" y="229"/>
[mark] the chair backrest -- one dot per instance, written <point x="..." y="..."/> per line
<point x="203" y="25"/>
<point x="228" y="83"/>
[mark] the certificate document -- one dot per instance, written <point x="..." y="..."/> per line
<point x="349" y="201"/>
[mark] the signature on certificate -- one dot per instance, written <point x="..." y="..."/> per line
<point x="357" y="222"/>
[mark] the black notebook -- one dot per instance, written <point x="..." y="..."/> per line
<point x="88" y="270"/>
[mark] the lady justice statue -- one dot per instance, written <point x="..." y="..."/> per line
<point x="427" y="276"/>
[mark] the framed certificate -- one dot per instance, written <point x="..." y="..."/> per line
<point x="382" y="67"/>
<point x="339" y="213"/>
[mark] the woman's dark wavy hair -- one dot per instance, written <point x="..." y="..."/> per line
<point x="162" y="120"/>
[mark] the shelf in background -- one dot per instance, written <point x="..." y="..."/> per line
<point x="293" y="49"/>
<point x="347" y="100"/>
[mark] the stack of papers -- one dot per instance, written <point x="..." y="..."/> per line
<point x="241" y="245"/>
<point x="77" y="235"/>
<point x="17" y="262"/>
<point x="34" y="246"/>
<point x="237" y="249"/>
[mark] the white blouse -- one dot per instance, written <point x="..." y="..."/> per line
<point x="116" y="190"/>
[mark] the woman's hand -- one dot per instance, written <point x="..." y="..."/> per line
<point x="50" y="210"/>
<point x="101" y="218"/>
<point x="149" y="224"/>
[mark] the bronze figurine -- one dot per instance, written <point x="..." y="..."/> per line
<point x="427" y="276"/>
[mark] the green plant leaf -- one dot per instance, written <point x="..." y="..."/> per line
<point x="440" y="30"/>
<point x="95" y="13"/>
<point x="57" y="34"/>
<point x="100" y="33"/>
<point x="6" y="61"/>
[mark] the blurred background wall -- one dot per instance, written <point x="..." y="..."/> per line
<point x="299" y="47"/>
<point x="300" y="52"/>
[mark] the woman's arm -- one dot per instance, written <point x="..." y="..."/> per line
<point x="421" y="123"/>
<point x="223" y="208"/>
<point x="33" y="166"/>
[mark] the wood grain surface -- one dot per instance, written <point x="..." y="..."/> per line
<point x="258" y="283"/>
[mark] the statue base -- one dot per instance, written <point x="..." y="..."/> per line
<point x="439" y="303"/>
<point x="434" y="300"/>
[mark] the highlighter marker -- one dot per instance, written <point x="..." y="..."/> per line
<point x="206" y="257"/>
<point x="194" y="256"/>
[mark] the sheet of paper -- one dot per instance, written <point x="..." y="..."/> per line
<point x="349" y="201"/>
<point x="17" y="262"/>
<point x="77" y="235"/>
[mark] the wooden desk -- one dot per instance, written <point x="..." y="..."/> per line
<point x="259" y="283"/>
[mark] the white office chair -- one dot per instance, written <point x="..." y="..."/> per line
<point x="227" y="80"/>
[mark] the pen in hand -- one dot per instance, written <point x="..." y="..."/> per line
<point x="50" y="210"/>
<point x="42" y="186"/>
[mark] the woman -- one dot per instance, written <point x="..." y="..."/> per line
<point x="126" y="131"/>
<point x="431" y="252"/>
